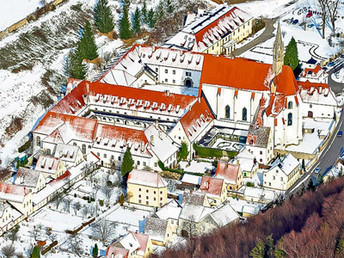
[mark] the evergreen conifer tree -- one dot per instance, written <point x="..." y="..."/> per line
<point x="144" y="12"/>
<point x="74" y="67"/>
<point x="127" y="164"/>
<point x="151" y="18"/>
<point x="36" y="252"/>
<point x="291" y="54"/>
<point x="258" y="251"/>
<point x="124" y="25"/>
<point x="103" y="17"/>
<point x="159" y="11"/>
<point x="169" y="6"/>
<point x="87" y="44"/>
<point x="137" y="22"/>
<point x="95" y="251"/>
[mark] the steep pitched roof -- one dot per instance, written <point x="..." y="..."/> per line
<point x="27" y="177"/>
<point x="246" y="74"/>
<point x="211" y="185"/>
<point x="47" y="164"/>
<point x="146" y="178"/>
<point x="227" y="171"/>
<point x="156" y="228"/>
<point x="117" y="252"/>
<point x="196" y="119"/>
<point x="13" y="193"/>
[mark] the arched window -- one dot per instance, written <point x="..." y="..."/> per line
<point x="290" y="105"/>
<point x="74" y="144"/>
<point x="244" y="114"/>
<point x="227" y="112"/>
<point x="290" y="119"/>
<point x="84" y="148"/>
<point x="38" y="143"/>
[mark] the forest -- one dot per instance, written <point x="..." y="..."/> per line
<point x="310" y="225"/>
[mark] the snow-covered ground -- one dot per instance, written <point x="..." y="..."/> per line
<point x="14" y="10"/>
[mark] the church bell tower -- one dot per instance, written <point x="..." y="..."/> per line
<point x="278" y="52"/>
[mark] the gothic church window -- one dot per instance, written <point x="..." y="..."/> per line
<point x="244" y="114"/>
<point x="227" y="112"/>
<point x="290" y="119"/>
<point x="290" y="105"/>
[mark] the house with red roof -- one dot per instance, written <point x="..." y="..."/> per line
<point x="146" y="188"/>
<point x="215" y="189"/>
<point x="50" y="166"/>
<point x="313" y="72"/>
<point x="133" y="245"/>
<point x="231" y="174"/>
<point x="216" y="31"/>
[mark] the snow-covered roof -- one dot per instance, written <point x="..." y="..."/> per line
<point x="317" y="93"/>
<point x="170" y="210"/>
<point x="27" y="177"/>
<point x="194" y="197"/>
<point x="196" y="119"/>
<point x="224" y="215"/>
<point x="13" y="193"/>
<point x="259" y="193"/>
<point x="246" y="160"/>
<point x="195" y="213"/>
<point x="228" y="171"/>
<point x="47" y="164"/>
<point x="287" y="164"/>
<point x="139" y="58"/>
<point x="130" y="243"/>
<point x="146" y="178"/>
<point x="160" y="143"/>
<point x="212" y="185"/>
<point x="207" y="28"/>
<point x="67" y="153"/>
<point x="191" y="179"/>
<point x="116" y="252"/>
<point x="156" y="228"/>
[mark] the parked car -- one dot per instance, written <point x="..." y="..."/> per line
<point x="309" y="14"/>
<point x="295" y="21"/>
<point x="317" y="170"/>
<point x="311" y="25"/>
<point x="340" y="134"/>
<point x="330" y="64"/>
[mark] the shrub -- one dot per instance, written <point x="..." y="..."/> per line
<point x="250" y="184"/>
<point x="101" y="202"/>
<point x="205" y="152"/>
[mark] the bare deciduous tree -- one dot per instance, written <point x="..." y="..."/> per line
<point x="76" y="206"/>
<point x="332" y="6"/>
<point x="107" y="190"/>
<point x="324" y="14"/>
<point x="57" y="200"/>
<point x="85" y="210"/>
<point x="104" y="230"/>
<point x="75" y="244"/>
<point x="67" y="201"/>
<point x="8" y="251"/>
<point x="35" y="231"/>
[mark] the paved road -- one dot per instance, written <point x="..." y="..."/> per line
<point x="266" y="35"/>
<point x="335" y="86"/>
<point x="326" y="160"/>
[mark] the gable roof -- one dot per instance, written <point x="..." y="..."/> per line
<point x="211" y="185"/>
<point x="287" y="164"/>
<point x="246" y="74"/>
<point x="146" y="178"/>
<point x="196" y="119"/>
<point x="228" y="171"/>
<point x="47" y="164"/>
<point x="156" y="228"/>
<point x="195" y="197"/>
<point x="27" y="177"/>
<point x="13" y="193"/>
<point x="116" y="252"/>
<point x="224" y="215"/>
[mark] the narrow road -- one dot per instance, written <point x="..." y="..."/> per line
<point x="266" y="35"/>
<point x="335" y="86"/>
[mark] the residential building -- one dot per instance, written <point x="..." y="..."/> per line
<point x="146" y="188"/>
<point x="215" y="189"/>
<point x="9" y="217"/>
<point x="312" y="72"/>
<point x="231" y="174"/>
<point x="197" y="197"/>
<point x="170" y="211"/>
<point x="31" y="179"/>
<point x="216" y="31"/>
<point x="248" y="163"/>
<point x="50" y="167"/>
<point x="283" y="173"/>
<point x="70" y="155"/>
<point x="133" y="245"/>
<point x="160" y="231"/>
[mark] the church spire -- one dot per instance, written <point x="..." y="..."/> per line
<point x="278" y="52"/>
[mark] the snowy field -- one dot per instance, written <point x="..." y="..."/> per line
<point x="309" y="40"/>
<point x="12" y="11"/>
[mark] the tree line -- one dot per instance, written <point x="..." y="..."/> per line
<point x="311" y="225"/>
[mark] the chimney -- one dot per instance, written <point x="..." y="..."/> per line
<point x="167" y="93"/>
<point x="142" y="146"/>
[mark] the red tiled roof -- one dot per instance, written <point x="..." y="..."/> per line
<point x="307" y="85"/>
<point x="82" y="126"/>
<point x="45" y="162"/>
<point x="143" y="240"/>
<point x="211" y="185"/>
<point x="197" y="118"/>
<point x="13" y="189"/>
<point x="228" y="171"/>
<point x="63" y="176"/>
<point x="199" y="35"/>
<point x="314" y="70"/>
<point x="116" y="252"/>
<point x="245" y="74"/>
<point x="146" y="178"/>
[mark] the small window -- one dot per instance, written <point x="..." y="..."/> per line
<point x="173" y="71"/>
<point x="119" y="158"/>
<point x="147" y="197"/>
<point x="156" y="69"/>
<point x="166" y="80"/>
<point x="138" y="162"/>
<point x="139" y="195"/>
<point x="147" y="191"/>
<point x="188" y="73"/>
<point x="166" y="71"/>
<point x="139" y="201"/>
<point x="160" y="198"/>
<point x="174" y="81"/>
<point x="105" y="155"/>
<point x="139" y="189"/>
<point x="147" y="202"/>
<point x="281" y="178"/>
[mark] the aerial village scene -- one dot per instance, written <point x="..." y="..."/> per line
<point x="137" y="128"/>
